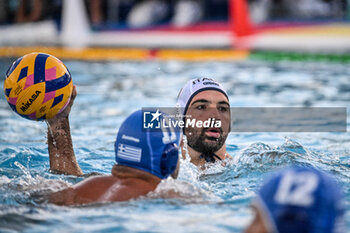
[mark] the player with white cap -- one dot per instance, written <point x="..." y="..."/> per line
<point x="205" y="99"/>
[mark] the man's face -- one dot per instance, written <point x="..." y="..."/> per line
<point x="206" y="105"/>
<point x="257" y="225"/>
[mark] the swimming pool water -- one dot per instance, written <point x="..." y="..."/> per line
<point x="216" y="200"/>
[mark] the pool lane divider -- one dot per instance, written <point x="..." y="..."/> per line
<point x="301" y="57"/>
<point x="142" y="54"/>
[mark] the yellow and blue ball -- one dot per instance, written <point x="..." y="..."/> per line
<point x="38" y="86"/>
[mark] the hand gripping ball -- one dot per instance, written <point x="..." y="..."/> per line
<point x="38" y="86"/>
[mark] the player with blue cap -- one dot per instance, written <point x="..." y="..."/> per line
<point x="151" y="150"/>
<point x="205" y="99"/>
<point x="143" y="158"/>
<point x="296" y="200"/>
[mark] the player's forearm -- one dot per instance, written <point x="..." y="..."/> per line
<point x="62" y="157"/>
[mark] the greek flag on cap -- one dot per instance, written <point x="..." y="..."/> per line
<point x="154" y="151"/>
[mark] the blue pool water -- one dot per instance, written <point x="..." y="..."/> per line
<point x="216" y="200"/>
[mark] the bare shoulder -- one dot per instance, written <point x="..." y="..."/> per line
<point x="96" y="182"/>
<point x="87" y="191"/>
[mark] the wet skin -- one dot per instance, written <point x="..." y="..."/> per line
<point x="257" y="225"/>
<point x="206" y="105"/>
<point x="123" y="184"/>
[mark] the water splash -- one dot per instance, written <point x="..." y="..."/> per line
<point x="4" y="180"/>
<point x="27" y="178"/>
<point x="185" y="148"/>
<point x="27" y="188"/>
<point x="182" y="190"/>
<point x="188" y="171"/>
<point x="261" y="158"/>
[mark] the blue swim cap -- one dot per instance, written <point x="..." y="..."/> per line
<point x="300" y="199"/>
<point x="151" y="150"/>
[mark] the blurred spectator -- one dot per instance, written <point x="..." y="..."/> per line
<point x="181" y="13"/>
<point x="21" y="11"/>
<point x="148" y="13"/>
<point x="259" y="10"/>
<point x="187" y="13"/>
<point x="3" y="11"/>
<point x="111" y="12"/>
<point x="29" y="11"/>
<point x="178" y="13"/>
<point x="263" y="10"/>
<point x="314" y="8"/>
<point x="96" y="12"/>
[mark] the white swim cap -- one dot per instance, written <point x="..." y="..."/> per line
<point x="195" y="86"/>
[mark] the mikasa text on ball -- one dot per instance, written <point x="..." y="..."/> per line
<point x="38" y="86"/>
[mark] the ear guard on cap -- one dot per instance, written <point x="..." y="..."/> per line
<point x="169" y="159"/>
<point x="291" y="221"/>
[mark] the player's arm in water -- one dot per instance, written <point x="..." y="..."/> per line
<point x="123" y="184"/>
<point x="61" y="153"/>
